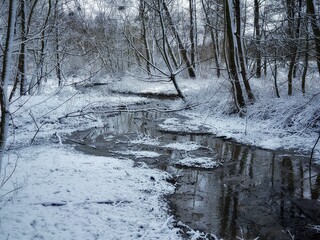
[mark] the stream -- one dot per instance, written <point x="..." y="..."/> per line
<point x="250" y="193"/>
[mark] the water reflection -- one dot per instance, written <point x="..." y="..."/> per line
<point x="254" y="193"/>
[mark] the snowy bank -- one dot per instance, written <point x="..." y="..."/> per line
<point x="68" y="195"/>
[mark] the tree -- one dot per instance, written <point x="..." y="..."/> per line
<point x="183" y="50"/>
<point x="37" y="78"/>
<point x="232" y="58"/>
<point x="293" y="37"/>
<point x="240" y="50"/>
<point x="21" y="71"/>
<point x="143" y="18"/>
<point x="213" y="34"/>
<point x="5" y="76"/>
<point x="257" y="37"/>
<point x="192" y="32"/>
<point x="315" y="28"/>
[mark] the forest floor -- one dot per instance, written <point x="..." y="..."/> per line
<point x="51" y="191"/>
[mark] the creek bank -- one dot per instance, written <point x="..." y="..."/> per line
<point x="251" y="192"/>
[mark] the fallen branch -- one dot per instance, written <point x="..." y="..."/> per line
<point x="81" y="113"/>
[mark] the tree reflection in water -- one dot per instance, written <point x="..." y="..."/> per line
<point x="254" y="193"/>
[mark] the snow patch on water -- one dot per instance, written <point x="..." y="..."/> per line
<point x="198" y="162"/>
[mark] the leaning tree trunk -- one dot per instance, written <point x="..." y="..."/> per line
<point x="5" y="77"/>
<point x="183" y="50"/>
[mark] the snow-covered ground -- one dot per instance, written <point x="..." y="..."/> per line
<point x="62" y="194"/>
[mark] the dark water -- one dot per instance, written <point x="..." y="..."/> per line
<point x="253" y="193"/>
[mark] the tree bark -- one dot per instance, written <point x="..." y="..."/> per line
<point x="5" y="77"/>
<point x="305" y="67"/>
<point x="192" y="33"/>
<point x="142" y="15"/>
<point x="21" y="71"/>
<point x="315" y="28"/>
<point x="240" y="51"/>
<point x="39" y="72"/>
<point x="182" y="49"/>
<point x="257" y="37"/>
<point x="57" y="43"/>
<point x="231" y="58"/>
<point x="213" y="39"/>
<point x="293" y="34"/>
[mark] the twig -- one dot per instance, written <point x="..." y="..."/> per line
<point x="59" y="138"/>
<point x="38" y="128"/>
<point x="5" y="180"/>
<point x="10" y="192"/>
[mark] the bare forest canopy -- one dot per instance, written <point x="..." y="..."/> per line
<point x="232" y="39"/>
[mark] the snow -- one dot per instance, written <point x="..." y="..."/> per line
<point x="145" y="139"/>
<point x="60" y="193"/>
<point x="101" y="198"/>
<point x="199" y="162"/>
<point x="188" y="146"/>
<point x="140" y="154"/>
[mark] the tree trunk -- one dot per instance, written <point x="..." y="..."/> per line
<point x="213" y="39"/>
<point x="58" y="59"/>
<point x="192" y="33"/>
<point x="57" y="43"/>
<point x="315" y="28"/>
<point x="231" y="57"/>
<point x="240" y="51"/>
<point x="5" y="77"/>
<point x="293" y="32"/>
<point x="142" y="15"/>
<point x="21" y="71"/>
<point x="182" y="49"/>
<point x="171" y="53"/>
<point x="39" y="72"/>
<point x="275" y="76"/>
<point x="305" y="67"/>
<point x="174" y="81"/>
<point x="257" y="37"/>
<point x="43" y="48"/>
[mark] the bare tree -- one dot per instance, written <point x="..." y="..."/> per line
<point x="315" y="27"/>
<point x="293" y="36"/>
<point x="213" y="34"/>
<point x="192" y="32"/>
<point x="5" y="76"/>
<point x="240" y="50"/>
<point x="257" y="37"/>
<point x="231" y="57"/>
<point x="183" y="50"/>
<point x="21" y="71"/>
